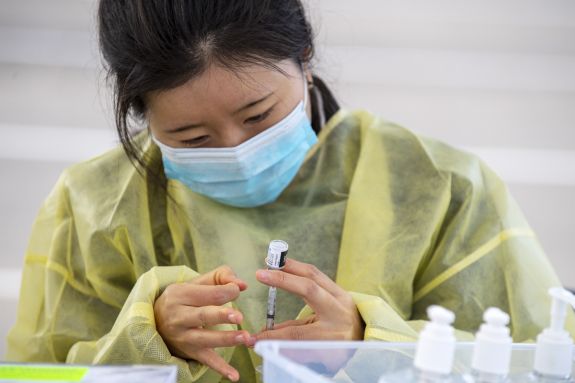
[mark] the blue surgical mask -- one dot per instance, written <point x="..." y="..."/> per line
<point x="251" y="174"/>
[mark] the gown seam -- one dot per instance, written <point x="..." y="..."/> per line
<point x="470" y="259"/>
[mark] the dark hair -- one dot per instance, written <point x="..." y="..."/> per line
<point x="151" y="45"/>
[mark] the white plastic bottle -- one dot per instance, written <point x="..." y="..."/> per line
<point x="554" y="349"/>
<point x="492" y="349"/>
<point x="434" y="354"/>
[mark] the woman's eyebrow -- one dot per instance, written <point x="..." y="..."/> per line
<point x="249" y="105"/>
<point x="253" y="103"/>
<point x="185" y="127"/>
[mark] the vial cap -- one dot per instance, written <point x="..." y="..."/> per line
<point x="440" y="315"/>
<point x="277" y="254"/>
<point x="495" y="317"/>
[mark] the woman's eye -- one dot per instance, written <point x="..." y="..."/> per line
<point x="196" y="141"/>
<point x="259" y="117"/>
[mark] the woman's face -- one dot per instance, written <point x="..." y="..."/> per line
<point x="223" y="109"/>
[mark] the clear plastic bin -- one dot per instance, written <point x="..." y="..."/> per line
<point x="359" y="362"/>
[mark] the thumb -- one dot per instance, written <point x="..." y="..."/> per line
<point x="221" y="276"/>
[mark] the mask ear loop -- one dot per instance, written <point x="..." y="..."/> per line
<point x="319" y="103"/>
<point x="305" y="87"/>
<point x="317" y="95"/>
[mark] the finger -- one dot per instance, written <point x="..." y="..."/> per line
<point x="203" y="338"/>
<point x="190" y="294"/>
<point x="186" y="317"/>
<point x="312" y="272"/>
<point x="305" y="332"/>
<point x="221" y="276"/>
<point x="211" y="359"/>
<point x="208" y="316"/>
<point x="294" y="322"/>
<point x="287" y="323"/>
<point x="313" y="294"/>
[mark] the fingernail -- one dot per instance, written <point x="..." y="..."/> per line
<point x="239" y="338"/>
<point x="232" y="318"/>
<point x="264" y="275"/>
<point x="232" y="377"/>
<point x="252" y="340"/>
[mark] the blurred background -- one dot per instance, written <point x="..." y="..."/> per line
<point x="494" y="77"/>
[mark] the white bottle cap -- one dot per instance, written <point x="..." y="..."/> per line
<point x="554" y="351"/>
<point x="492" y="351"/>
<point x="436" y="344"/>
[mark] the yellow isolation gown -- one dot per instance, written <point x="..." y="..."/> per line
<point x="400" y="221"/>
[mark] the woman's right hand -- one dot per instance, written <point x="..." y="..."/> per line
<point x="184" y="311"/>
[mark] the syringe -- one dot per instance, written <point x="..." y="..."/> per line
<point x="276" y="259"/>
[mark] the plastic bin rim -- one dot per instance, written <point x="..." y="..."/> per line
<point x="274" y="346"/>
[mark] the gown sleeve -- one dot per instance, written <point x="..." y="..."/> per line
<point x="427" y="224"/>
<point x="91" y="307"/>
<point x="485" y="254"/>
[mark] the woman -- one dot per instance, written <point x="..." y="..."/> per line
<point x="150" y="253"/>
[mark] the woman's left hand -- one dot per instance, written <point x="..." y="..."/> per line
<point x="336" y="316"/>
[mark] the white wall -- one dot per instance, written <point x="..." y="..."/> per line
<point x="495" y="77"/>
